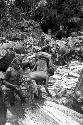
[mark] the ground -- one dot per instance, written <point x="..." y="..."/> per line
<point x="51" y="111"/>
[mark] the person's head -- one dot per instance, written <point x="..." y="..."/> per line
<point x="10" y="72"/>
<point x="50" y="71"/>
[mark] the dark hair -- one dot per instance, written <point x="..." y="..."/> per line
<point x="25" y="65"/>
<point x="50" y="70"/>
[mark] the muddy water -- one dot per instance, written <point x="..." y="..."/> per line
<point x="50" y="111"/>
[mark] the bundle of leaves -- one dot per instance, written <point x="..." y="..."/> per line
<point x="27" y="88"/>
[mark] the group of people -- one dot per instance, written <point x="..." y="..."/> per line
<point x="41" y="71"/>
<point x="37" y="74"/>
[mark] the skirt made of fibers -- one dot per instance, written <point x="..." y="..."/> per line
<point x="27" y="88"/>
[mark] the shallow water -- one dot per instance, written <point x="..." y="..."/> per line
<point x="47" y="111"/>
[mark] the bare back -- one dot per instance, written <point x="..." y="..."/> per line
<point x="38" y="75"/>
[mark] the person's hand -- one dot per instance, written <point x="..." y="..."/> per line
<point x="2" y="76"/>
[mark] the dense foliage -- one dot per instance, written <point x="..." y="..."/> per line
<point x="50" y="14"/>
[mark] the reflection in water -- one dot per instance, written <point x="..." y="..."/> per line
<point x="18" y="112"/>
<point x="42" y="112"/>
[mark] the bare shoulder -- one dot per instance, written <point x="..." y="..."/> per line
<point x="44" y="54"/>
